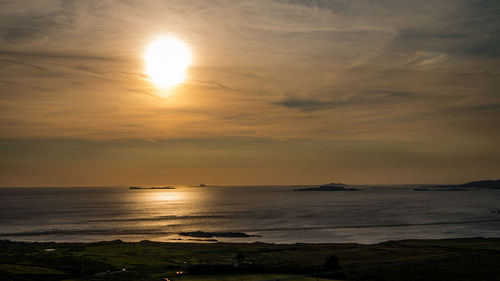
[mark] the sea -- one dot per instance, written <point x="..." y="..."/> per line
<point x="273" y="214"/>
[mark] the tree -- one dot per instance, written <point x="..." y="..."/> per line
<point x="332" y="263"/>
<point x="240" y="257"/>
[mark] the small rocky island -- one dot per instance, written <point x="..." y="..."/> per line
<point x="329" y="187"/>
<point x="204" y="185"/>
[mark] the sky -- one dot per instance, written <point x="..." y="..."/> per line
<point x="278" y="92"/>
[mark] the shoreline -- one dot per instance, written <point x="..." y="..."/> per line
<point x="210" y="238"/>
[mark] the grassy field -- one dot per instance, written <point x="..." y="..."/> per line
<point x="451" y="259"/>
<point x="250" y="277"/>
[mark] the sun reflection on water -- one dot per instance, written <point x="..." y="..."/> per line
<point x="168" y="195"/>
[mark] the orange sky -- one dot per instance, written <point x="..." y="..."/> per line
<point x="279" y="92"/>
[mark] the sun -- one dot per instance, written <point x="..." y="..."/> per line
<point x="166" y="61"/>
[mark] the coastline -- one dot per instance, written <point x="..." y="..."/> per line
<point x="438" y="259"/>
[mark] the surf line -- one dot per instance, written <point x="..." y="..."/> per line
<point x="370" y="226"/>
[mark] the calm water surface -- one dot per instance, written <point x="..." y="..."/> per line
<point x="276" y="214"/>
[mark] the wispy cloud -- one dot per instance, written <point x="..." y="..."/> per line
<point x="54" y="55"/>
<point x="345" y="99"/>
<point x="281" y="63"/>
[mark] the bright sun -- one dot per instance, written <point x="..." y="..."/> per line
<point x="166" y="61"/>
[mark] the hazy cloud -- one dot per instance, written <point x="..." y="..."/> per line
<point x="305" y="104"/>
<point x="347" y="99"/>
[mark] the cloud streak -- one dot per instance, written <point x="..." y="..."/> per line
<point x="331" y="55"/>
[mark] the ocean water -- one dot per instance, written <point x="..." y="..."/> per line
<point x="275" y="214"/>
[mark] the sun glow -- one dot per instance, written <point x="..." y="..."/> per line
<point x="166" y="61"/>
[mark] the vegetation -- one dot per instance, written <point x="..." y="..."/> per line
<point x="450" y="259"/>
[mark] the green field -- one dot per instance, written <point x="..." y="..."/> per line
<point x="451" y="259"/>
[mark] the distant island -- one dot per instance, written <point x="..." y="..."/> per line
<point x="204" y="185"/>
<point x="473" y="185"/>
<point x="151" y="187"/>
<point x="329" y="187"/>
<point x="489" y="184"/>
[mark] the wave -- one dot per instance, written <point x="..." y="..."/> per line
<point x="253" y="230"/>
<point x="370" y="225"/>
<point x="87" y="232"/>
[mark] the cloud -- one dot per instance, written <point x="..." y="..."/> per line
<point x="305" y="104"/>
<point x="352" y="59"/>
<point x="349" y="99"/>
<point x="55" y="55"/>
<point x="33" y="24"/>
<point x="489" y="46"/>
<point x="426" y="58"/>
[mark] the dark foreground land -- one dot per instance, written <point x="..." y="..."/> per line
<point x="450" y="259"/>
